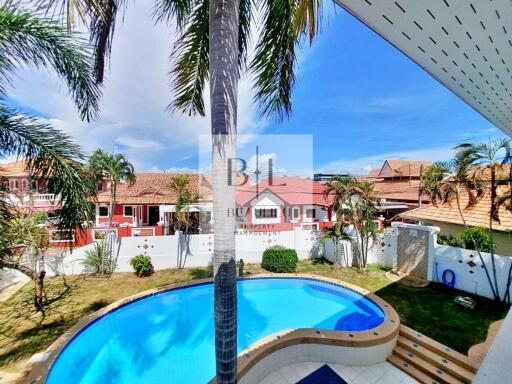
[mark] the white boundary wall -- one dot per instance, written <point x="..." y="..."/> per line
<point x="163" y="251"/>
<point x="467" y="278"/>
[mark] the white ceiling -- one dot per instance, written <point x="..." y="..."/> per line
<point x="464" y="44"/>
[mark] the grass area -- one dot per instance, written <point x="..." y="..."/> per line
<point x="430" y="310"/>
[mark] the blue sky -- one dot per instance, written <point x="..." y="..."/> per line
<point x="359" y="98"/>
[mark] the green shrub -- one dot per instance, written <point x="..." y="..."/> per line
<point x="142" y="265"/>
<point x="481" y="237"/>
<point x="95" y="257"/>
<point x="463" y="239"/>
<point x="279" y="259"/>
<point x="451" y="240"/>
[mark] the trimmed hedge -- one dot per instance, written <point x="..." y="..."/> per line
<point x="142" y="265"/>
<point x="279" y="259"/>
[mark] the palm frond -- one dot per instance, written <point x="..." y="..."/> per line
<point x="102" y="26"/>
<point x="54" y="158"/>
<point x="32" y="39"/>
<point x="308" y="17"/>
<point x="191" y="57"/>
<point x="244" y="32"/>
<point x="173" y="10"/>
<point x="275" y="59"/>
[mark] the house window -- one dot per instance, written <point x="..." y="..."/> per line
<point x="309" y="227"/>
<point x="296" y="213"/>
<point x="128" y="210"/>
<point x="265" y="213"/>
<point x="310" y="213"/>
<point x="103" y="211"/>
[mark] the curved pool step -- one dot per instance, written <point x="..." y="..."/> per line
<point x="430" y="362"/>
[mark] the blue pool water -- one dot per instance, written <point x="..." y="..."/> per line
<point x="169" y="337"/>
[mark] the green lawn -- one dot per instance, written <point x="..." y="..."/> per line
<point x="430" y="310"/>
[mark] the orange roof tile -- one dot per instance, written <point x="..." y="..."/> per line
<point x="476" y="216"/>
<point x="154" y="188"/>
<point x="14" y="169"/>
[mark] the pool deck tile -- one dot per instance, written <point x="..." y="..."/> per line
<point x="383" y="373"/>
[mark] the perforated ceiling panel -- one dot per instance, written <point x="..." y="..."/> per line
<point x="465" y="44"/>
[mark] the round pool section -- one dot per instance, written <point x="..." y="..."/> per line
<point x="169" y="337"/>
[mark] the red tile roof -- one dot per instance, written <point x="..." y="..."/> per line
<point x="400" y="168"/>
<point x="476" y="216"/>
<point x="154" y="188"/>
<point x="292" y="190"/>
<point x="14" y="169"/>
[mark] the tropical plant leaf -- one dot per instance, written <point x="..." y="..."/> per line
<point x="191" y="57"/>
<point x="274" y="61"/>
<point x="27" y="38"/>
<point x="52" y="156"/>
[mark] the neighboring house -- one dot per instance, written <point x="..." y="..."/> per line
<point x="448" y="219"/>
<point x="26" y="191"/>
<point x="283" y="203"/>
<point x="397" y="185"/>
<point x="147" y="207"/>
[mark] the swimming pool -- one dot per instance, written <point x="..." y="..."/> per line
<point x="169" y="337"/>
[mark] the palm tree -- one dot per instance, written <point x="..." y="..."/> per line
<point x="25" y="238"/>
<point x="354" y="201"/>
<point x="444" y="182"/>
<point x="361" y="211"/>
<point x="114" y="168"/>
<point x="180" y="185"/>
<point x="489" y="158"/>
<point x="28" y="38"/>
<point x="213" y="42"/>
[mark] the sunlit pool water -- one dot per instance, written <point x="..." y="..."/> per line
<point x="169" y="337"/>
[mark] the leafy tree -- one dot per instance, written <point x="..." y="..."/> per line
<point x="489" y="158"/>
<point x="24" y="245"/>
<point x="465" y="175"/>
<point x="465" y="239"/>
<point x="180" y="185"/>
<point x="354" y="202"/>
<point x="28" y="38"/>
<point x="115" y="169"/>
<point x="212" y="45"/>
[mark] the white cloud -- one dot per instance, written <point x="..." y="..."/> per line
<point x="362" y="165"/>
<point x="135" y="97"/>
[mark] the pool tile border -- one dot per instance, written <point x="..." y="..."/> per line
<point x="258" y="350"/>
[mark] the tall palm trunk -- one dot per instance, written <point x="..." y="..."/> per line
<point x="492" y="215"/>
<point x="466" y="226"/>
<point x="109" y="243"/>
<point x="223" y="30"/>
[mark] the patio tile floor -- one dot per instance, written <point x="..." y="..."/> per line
<point x="383" y="373"/>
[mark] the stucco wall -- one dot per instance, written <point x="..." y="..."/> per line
<point x="503" y="240"/>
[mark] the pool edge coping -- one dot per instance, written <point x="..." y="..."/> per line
<point x="385" y="331"/>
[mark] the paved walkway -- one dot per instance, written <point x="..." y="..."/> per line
<point x="383" y="373"/>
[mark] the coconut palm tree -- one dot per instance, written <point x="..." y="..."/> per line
<point x="213" y="45"/>
<point x="28" y="38"/>
<point x="444" y="182"/>
<point x="115" y="169"/>
<point x="489" y="158"/>
<point x="354" y="201"/>
<point x="180" y="185"/>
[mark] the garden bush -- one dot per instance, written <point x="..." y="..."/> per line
<point x="142" y="265"/>
<point x="95" y="257"/>
<point x="279" y="259"/>
<point x="463" y="239"/>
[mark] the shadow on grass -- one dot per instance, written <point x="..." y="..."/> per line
<point x="201" y="273"/>
<point x="96" y="305"/>
<point x="432" y="311"/>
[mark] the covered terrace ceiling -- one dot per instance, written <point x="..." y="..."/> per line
<point x="465" y="44"/>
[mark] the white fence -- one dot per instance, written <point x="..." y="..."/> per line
<point x="197" y="250"/>
<point x="466" y="265"/>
